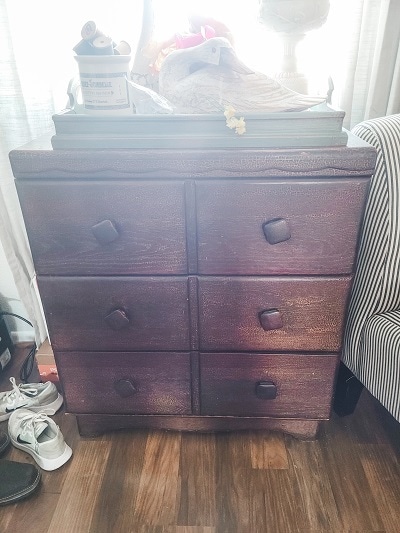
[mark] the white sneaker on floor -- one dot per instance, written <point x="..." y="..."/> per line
<point x="39" y="435"/>
<point x="43" y="397"/>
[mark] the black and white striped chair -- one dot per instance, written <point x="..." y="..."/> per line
<point x="371" y="346"/>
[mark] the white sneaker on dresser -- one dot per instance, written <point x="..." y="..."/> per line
<point x="39" y="435"/>
<point x="43" y="397"/>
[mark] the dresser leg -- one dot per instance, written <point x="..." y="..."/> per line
<point x="347" y="393"/>
<point x="303" y="429"/>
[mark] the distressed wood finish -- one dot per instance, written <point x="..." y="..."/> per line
<point x="322" y="219"/>
<point x="311" y="310"/>
<point x="94" y="425"/>
<point x="197" y="290"/>
<point x="160" y="382"/>
<point x="229" y="381"/>
<point x="37" y="161"/>
<point x="156" y="308"/>
<point x="149" y="221"/>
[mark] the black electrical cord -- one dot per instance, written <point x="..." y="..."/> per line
<point x="27" y="365"/>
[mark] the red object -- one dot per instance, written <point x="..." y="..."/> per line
<point x="193" y="39"/>
<point x="48" y="372"/>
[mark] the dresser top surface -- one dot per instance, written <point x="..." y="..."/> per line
<point x="39" y="160"/>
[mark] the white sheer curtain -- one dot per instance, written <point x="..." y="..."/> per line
<point x="36" y="64"/>
<point x="358" y="46"/>
<point x="367" y="69"/>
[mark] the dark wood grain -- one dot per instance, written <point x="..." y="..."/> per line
<point x="323" y="217"/>
<point x="37" y="161"/>
<point x="195" y="382"/>
<point x="311" y="309"/>
<point x="149" y="217"/>
<point x="201" y="290"/>
<point x="342" y="456"/>
<point x="93" y="425"/>
<point x="161" y="382"/>
<point x="76" y="311"/>
<point x="304" y="384"/>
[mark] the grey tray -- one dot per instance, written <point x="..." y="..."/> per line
<point x="317" y="126"/>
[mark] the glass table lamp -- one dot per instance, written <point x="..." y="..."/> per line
<point x="291" y="20"/>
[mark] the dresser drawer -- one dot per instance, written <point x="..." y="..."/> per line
<point x="123" y="383"/>
<point x="122" y="313"/>
<point x="115" y="227"/>
<point x="282" y="227"/>
<point x="280" y="385"/>
<point x="272" y="313"/>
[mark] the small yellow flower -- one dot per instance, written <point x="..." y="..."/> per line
<point x="241" y="126"/>
<point x="229" y="112"/>
<point x="231" y="122"/>
<point x="234" y="123"/>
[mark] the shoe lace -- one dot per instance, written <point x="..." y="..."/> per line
<point x="29" y="421"/>
<point x="16" y="393"/>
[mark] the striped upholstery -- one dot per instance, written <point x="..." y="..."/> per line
<point x="371" y="347"/>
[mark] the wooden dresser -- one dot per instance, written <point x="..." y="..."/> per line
<point x="195" y="289"/>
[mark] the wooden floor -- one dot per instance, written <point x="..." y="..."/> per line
<point x="154" y="482"/>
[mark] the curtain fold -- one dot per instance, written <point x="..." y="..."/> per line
<point x="367" y="86"/>
<point x="15" y="129"/>
<point x="382" y="85"/>
<point x="394" y="97"/>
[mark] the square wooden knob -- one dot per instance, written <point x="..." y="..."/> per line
<point x="277" y="230"/>
<point x="271" y="319"/>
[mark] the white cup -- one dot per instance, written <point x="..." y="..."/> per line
<point x="103" y="84"/>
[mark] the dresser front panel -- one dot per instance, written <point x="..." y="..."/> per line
<point x="233" y="384"/>
<point x="311" y="226"/>
<point x="120" y="313"/>
<point x="299" y="314"/>
<point x="126" y="383"/>
<point x="195" y="289"/>
<point x="112" y="227"/>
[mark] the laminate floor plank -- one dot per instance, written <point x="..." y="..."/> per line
<point x="240" y="491"/>
<point x="31" y="515"/>
<point x="268" y="450"/>
<point x="190" y="529"/>
<point x="157" y="499"/>
<point x="77" y="501"/>
<point x="115" y="505"/>
<point x="381" y="469"/>
<point x="143" y="481"/>
<point x="282" y="504"/>
<point x="309" y="476"/>
<point x="354" y="499"/>
<point x="198" y="481"/>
